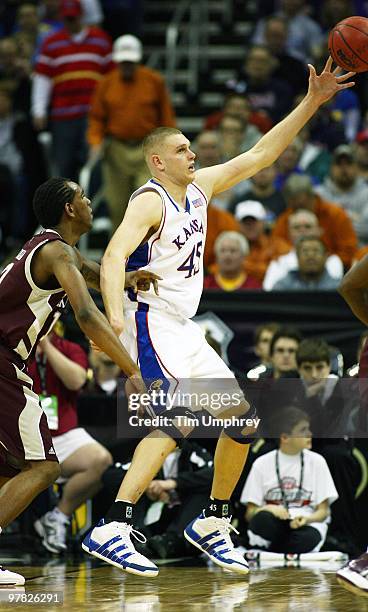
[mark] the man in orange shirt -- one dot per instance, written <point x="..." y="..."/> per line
<point x="263" y="248"/>
<point x="128" y="104"/>
<point x="338" y="235"/>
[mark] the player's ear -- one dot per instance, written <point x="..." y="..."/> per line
<point x="157" y="162"/>
<point x="69" y="209"/>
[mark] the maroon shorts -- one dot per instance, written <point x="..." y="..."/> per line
<point x="24" y="432"/>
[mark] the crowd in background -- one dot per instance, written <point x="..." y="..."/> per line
<point x="74" y="90"/>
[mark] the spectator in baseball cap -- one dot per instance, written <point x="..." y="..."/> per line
<point x="251" y="215"/>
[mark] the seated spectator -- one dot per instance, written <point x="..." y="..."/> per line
<point x="289" y="68"/>
<point x="230" y="250"/>
<point x="283" y="347"/>
<point x="315" y="158"/>
<point x="311" y="273"/>
<point x="207" y="147"/>
<point x="338" y="233"/>
<point x="271" y="392"/>
<point x="15" y="75"/>
<point x="287" y="163"/>
<point x="103" y="378"/>
<point x="289" y="491"/>
<point x="334" y="11"/>
<point x="345" y="187"/>
<point x="218" y="221"/>
<point x="178" y="492"/>
<point x="236" y="136"/>
<point x="261" y="187"/>
<point x="265" y="93"/>
<point x="361" y="154"/>
<point x="27" y="28"/>
<point x="238" y="105"/>
<point x="262" y="342"/>
<point x="303" y="32"/>
<point x="59" y="371"/>
<point x="345" y="107"/>
<point x="263" y="248"/>
<point x="50" y="18"/>
<point x="301" y="223"/>
<point x="329" y="402"/>
<point x="325" y="129"/>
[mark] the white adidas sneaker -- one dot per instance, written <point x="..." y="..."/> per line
<point x="111" y="542"/>
<point x="212" y="536"/>
<point x="10" y="578"/>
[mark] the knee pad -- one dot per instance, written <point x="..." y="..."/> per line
<point x="172" y="429"/>
<point x="235" y="431"/>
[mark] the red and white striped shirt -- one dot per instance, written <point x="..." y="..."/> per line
<point x="73" y="64"/>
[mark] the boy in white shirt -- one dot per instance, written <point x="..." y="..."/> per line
<point x="289" y="491"/>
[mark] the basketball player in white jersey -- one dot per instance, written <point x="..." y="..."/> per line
<point x="164" y="230"/>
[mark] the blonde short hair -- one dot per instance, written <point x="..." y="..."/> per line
<point x="156" y="137"/>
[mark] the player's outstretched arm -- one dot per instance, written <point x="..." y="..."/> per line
<point x="321" y="88"/>
<point x="138" y="280"/>
<point x="142" y="217"/>
<point x="61" y="261"/>
<point x="354" y="289"/>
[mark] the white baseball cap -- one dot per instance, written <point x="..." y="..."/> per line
<point x="127" y="48"/>
<point x="250" y="208"/>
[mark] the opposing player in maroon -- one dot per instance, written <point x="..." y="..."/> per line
<point x="353" y="288"/>
<point x="34" y="288"/>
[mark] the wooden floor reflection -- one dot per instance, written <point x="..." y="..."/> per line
<point x="93" y="586"/>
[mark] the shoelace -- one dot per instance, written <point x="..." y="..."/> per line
<point x="224" y="526"/>
<point x="125" y="529"/>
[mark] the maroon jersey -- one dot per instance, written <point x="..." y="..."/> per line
<point x="27" y="312"/>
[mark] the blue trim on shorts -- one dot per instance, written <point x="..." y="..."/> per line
<point x="148" y="362"/>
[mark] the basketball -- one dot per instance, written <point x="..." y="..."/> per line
<point x="348" y="44"/>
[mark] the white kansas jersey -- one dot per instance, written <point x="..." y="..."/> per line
<point x="174" y="252"/>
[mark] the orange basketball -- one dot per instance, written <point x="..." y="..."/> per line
<point x="348" y="44"/>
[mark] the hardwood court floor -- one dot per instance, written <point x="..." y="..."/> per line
<point x="93" y="586"/>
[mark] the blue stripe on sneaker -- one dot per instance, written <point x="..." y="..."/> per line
<point x="111" y="553"/>
<point x="212" y="547"/>
<point x="126" y="555"/>
<point x="208" y="537"/>
<point x="141" y="567"/>
<point x="103" y="547"/>
<point x="119" y="548"/>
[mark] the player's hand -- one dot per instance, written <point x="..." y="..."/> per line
<point x="136" y="385"/>
<point x="141" y="280"/>
<point x="322" y="87"/>
<point x="298" y="521"/>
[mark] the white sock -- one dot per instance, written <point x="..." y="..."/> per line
<point x="0" y="529"/>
